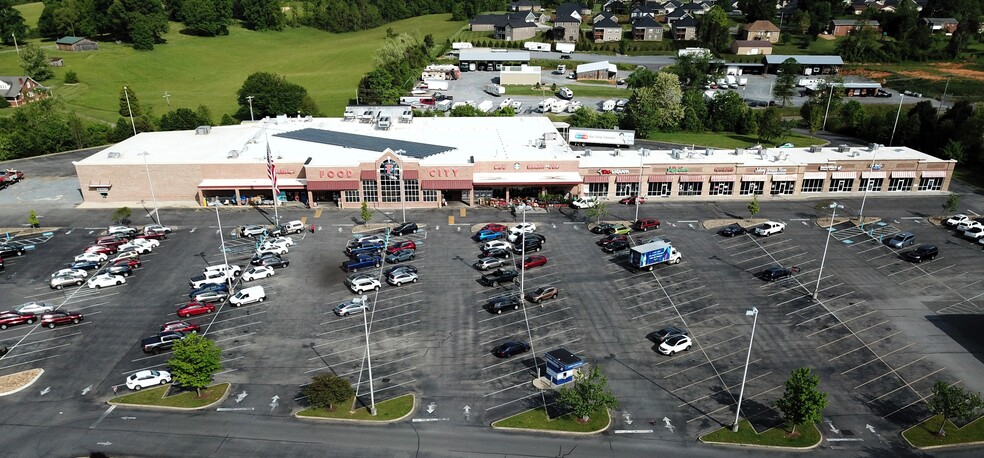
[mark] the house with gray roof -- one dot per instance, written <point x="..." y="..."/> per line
<point x="647" y="29"/>
<point x="567" y="22"/>
<point x="607" y="30"/>
<point x="685" y="28"/>
<point x="21" y="90"/>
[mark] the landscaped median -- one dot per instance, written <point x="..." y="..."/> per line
<point x="806" y="437"/>
<point x="537" y="420"/>
<point x="387" y="411"/>
<point x="924" y="435"/>
<point x="13" y="383"/>
<point x="188" y="400"/>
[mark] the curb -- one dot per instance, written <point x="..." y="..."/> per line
<point x="24" y="386"/>
<point x="936" y="447"/>
<point x="551" y="431"/>
<point x="361" y="422"/>
<point x="768" y="447"/>
<point x="723" y="222"/>
<point x="175" y="409"/>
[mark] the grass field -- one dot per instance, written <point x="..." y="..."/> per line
<point x="776" y="437"/>
<point x="727" y="140"/>
<point x="387" y="410"/>
<point x="924" y="434"/>
<point x="188" y="399"/>
<point x="537" y="419"/>
<point x="31" y="12"/>
<point x="209" y="71"/>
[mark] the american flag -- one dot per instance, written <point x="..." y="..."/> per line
<point x="271" y="169"/>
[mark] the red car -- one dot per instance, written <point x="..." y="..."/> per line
<point x="632" y="200"/>
<point x="495" y="228"/>
<point x="645" y="224"/>
<point x="57" y="317"/>
<point x="180" y="326"/>
<point x="111" y="240"/>
<point x="195" y="308"/>
<point x="152" y="235"/>
<point x="107" y="249"/>
<point x="405" y="245"/>
<point x="11" y="318"/>
<point x="533" y="261"/>
<point x="610" y="238"/>
<point x="132" y="263"/>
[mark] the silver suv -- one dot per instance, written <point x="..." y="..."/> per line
<point x="489" y="263"/>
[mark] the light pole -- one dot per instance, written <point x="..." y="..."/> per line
<point x="522" y="298"/>
<point x="867" y="186"/>
<point x="827" y="111"/>
<point x="403" y="194"/>
<point x="250" y="100"/>
<point x="157" y="215"/>
<point x="126" y="94"/>
<point x="833" y="206"/>
<point x="894" y="126"/>
<point x="372" y="397"/>
<point x="638" y="187"/>
<point x="754" y="312"/>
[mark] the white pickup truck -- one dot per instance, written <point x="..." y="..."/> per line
<point x="770" y="227"/>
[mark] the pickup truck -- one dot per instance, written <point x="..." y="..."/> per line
<point x="161" y="342"/>
<point x="770" y="227"/>
<point x="364" y="248"/>
<point x="362" y="261"/>
<point x="656" y="252"/>
<point x="499" y="276"/>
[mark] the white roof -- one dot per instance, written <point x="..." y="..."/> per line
<point x="593" y="66"/>
<point x="522" y="177"/>
<point x="787" y="157"/>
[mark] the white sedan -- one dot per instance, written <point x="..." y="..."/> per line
<point x="968" y="225"/>
<point x="34" y="307"/>
<point x="257" y="272"/>
<point x="265" y="249"/>
<point x="79" y="273"/>
<point x="156" y="228"/>
<point x="275" y="245"/>
<point x="105" y="279"/>
<point x="496" y="244"/>
<point x="523" y="227"/>
<point x="285" y="240"/>
<point x="955" y="220"/>
<point x="139" y="246"/>
<point x="584" y="203"/>
<point x="147" y="378"/>
<point x="94" y="257"/>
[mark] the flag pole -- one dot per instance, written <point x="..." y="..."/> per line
<point x="272" y="174"/>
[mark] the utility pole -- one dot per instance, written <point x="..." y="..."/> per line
<point x="126" y="93"/>
<point x="250" y="100"/>
<point x="942" y="99"/>
<point x="18" y="47"/>
<point x="827" y="111"/>
<point x="168" y="98"/>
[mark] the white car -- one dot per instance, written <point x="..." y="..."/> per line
<point x="584" y="203"/>
<point x="257" y="272"/>
<point x="525" y="227"/>
<point x="121" y="230"/>
<point x="402" y="276"/>
<point x="127" y="254"/>
<point x="490" y="263"/>
<point x="496" y="244"/>
<point x="361" y="285"/>
<point x="285" y="240"/>
<point x="675" y="344"/>
<point x="974" y="233"/>
<point x="968" y="225"/>
<point x="156" y="228"/>
<point x="370" y="239"/>
<point x="147" y="378"/>
<point x="141" y="246"/>
<point x="105" y="279"/>
<point x="71" y="273"/>
<point x="956" y="220"/>
<point x="34" y="307"/>
<point x="223" y="268"/>
<point x="770" y="227"/>
<point x="94" y="257"/>
<point x="267" y="250"/>
<point x="276" y="244"/>
<point x="252" y="230"/>
<point x="210" y="277"/>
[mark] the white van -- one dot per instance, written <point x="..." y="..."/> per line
<point x="248" y="296"/>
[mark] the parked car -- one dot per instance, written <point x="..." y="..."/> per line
<point x="92" y="257"/>
<point x="274" y="261"/>
<point x="645" y="224"/>
<point x="632" y="200"/>
<point x="151" y="235"/>
<point x="531" y="261"/>
<point x="195" y="308"/>
<point x="113" y="240"/>
<point x="404" y="245"/>
<point x="147" y="378"/>
<point x="501" y="253"/>
<point x="210" y="277"/>
<point x="956" y="220"/>
<point x="139" y="247"/>
<point x="270" y="250"/>
<point x="13" y="318"/>
<point x="495" y="227"/>
<point x="901" y="240"/>
<point x="618" y="229"/>
<point x="132" y="263"/>
<point x="601" y="228"/>
<point x="105" y="279"/>
<point x="675" y="344"/>
<point x="523" y="227"/>
<point x="489" y="263"/>
<point x="542" y="293"/>
<point x="499" y="276"/>
<point x="776" y="273"/>
<point x="498" y="304"/>
<point x="618" y="245"/>
<point x="85" y="265"/>
<point x="70" y="273"/>
<point x="511" y="348"/>
<point x="921" y="253"/>
<point x="364" y="248"/>
<point x="402" y="277"/>
<point x="121" y="230"/>
<point x="968" y="225"/>
<point x="530" y="236"/>
<point x="7" y="250"/>
<point x="667" y="332"/>
<point x="160" y="342"/>
<point x="216" y="295"/>
<point x="362" y="261"/>
<point x="611" y="238"/>
<point x="584" y="203"/>
<point x="528" y="245"/>
<point x="123" y="270"/>
<point x="486" y="235"/>
<point x="367" y="239"/>
<point x="101" y="249"/>
<point x="252" y="230"/>
<point x="61" y="281"/>
<point x="291" y="227"/>
<point x="285" y="240"/>
<point x="257" y="272"/>
<point x="156" y="228"/>
<point x="248" y="296"/>
<point x="732" y="230"/>
<point x="770" y="227"/>
<point x="974" y="233"/>
<point x="392" y="271"/>
<point x="59" y="317"/>
<point x="400" y="256"/>
<point x="210" y="287"/>
<point x="363" y="284"/>
<point x="496" y="244"/>
<point x="404" y="229"/>
<point x="180" y="326"/>
<point x="230" y="270"/>
<point x="34" y="307"/>
<point x="354" y="305"/>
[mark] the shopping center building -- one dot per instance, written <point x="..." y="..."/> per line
<point x="425" y="162"/>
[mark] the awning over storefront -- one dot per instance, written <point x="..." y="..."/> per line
<point x="723" y="178"/>
<point x="333" y="185"/>
<point x="904" y="174"/>
<point x="627" y="178"/>
<point x="783" y="177"/>
<point x="844" y="175"/>
<point x="814" y="175"/>
<point x="282" y="183"/>
<point x="872" y="174"/>
<point x="528" y="179"/>
<point x="660" y="178"/>
<point x="367" y="175"/>
<point x="411" y="174"/>
<point x="753" y="178"/>
<point x="596" y="179"/>
<point x="692" y="178"/>
<point x="934" y="174"/>
<point x="445" y="184"/>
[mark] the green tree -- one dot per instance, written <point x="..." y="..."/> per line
<point x="693" y="71"/>
<point x="466" y="111"/>
<point x="11" y="23"/>
<point x="121" y="214"/>
<point x="429" y="40"/>
<point x="623" y="46"/>
<point x="712" y="31"/>
<point x="726" y="111"/>
<point x="757" y="9"/>
<point x="953" y="149"/>
<point x="952" y="201"/>
<point x="71" y="77"/>
<point x="180" y="119"/>
<point x="326" y="390"/>
<point x="860" y="46"/>
<point x="587" y="394"/>
<point x="785" y="85"/>
<point x="272" y="95"/>
<point x="642" y="77"/>
<point x="204" y="114"/>
<point x="34" y="61"/>
<point x="262" y="14"/>
<point x="206" y="17"/>
<point x="694" y="111"/>
<point x="771" y="126"/>
<point x="366" y="213"/>
<point x="129" y="104"/>
<point x="32" y="219"/>
<point x="194" y="362"/>
<point x="852" y="116"/>
<point x="135" y="21"/>
<point x="952" y="402"/>
<point x="802" y="403"/>
<point x="753" y="206"/>
<point x="228" y="120"/>
<point x="599" y="210"/>
<point x="656" y="108"/>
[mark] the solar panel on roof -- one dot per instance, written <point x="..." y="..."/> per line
<point x="364" y="142"/>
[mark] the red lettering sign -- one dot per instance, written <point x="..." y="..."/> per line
<point x="442" y="173"/>
<point x="335" y="173"/>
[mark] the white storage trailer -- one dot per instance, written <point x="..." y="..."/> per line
<point x="611" y="137"/>
<point x="567" y="48"/>
<point x="534" y="46"/>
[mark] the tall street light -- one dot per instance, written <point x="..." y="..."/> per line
<point x="372" y="397"/>
<point x="225" y="259"/>
<point x="754" y="313"/>
<point x="403" y="194"/>
<point x="157" y="215"/>
<point x="833" y="206"/>
<point x="868" y="184"/>
<point x="639" y="186"/>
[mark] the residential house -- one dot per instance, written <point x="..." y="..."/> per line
<point x="946" y="25"/>
<point x="759" y="30"/>
<point x="860" y="6"/>
<point x="641" y="11"/>
<point x="675" y="15"/>
<point x="751" y="47"/>
<point x="525" y="5"/>
<point x="672" y="5"/>
<point x="647" y="29"/>
<point x="607" y="30"/>
<point x="695" y="8"/>
<point x="21" y="90"/>
<point x="515" y="29"/>
<point x="844" y="27"/>
<point x="602" y="16"/>
<point x="484" y="22"/>
<point x="616" y="6"/>
<point x="567" y="22"/>
<point x="685" y="28"/>
<point x="76" y="44"/>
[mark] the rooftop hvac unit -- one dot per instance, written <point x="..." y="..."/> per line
<point x="843" y="149"/>
<point x="617" y="152"/>
<point x="874" y="146"/>
<point x="113" y="155"/>
<point x="644" y="151"/>
<point x="232" y="154"/>
<point x="739" y="151"/>
<point x="708" y="152"/>
<point x="676" y="153"/>
<point x="203" y="130"/>
<point x="816" y="149"/>
<point x="587" y="153"/>
<point x="550" y="136"/>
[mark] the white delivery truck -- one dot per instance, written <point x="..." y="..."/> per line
<point x="534" y="46"/>
<point x="611" y="137"/>
<point x="436" y="85"/>
<point x="566" y="48"/>
<point x="495" y="89"/>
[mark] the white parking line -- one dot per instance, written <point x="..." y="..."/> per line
<point x="855" y="332"/>
<point x="244" y="335"/>
<point x="377" y="331"/>
<point x="717" y="375"/>
<point x="680" y="372"/>
<point x="756" y="396"/>
<point x="784" y="262"/>
<point x="234" y="327"/>
<point x="889" y="372"/>
<point x="513" y="401"/>
<point x="697" y="310"/>
<point x="909" y="385"/>
<point x="715" y="392"/>
<point x="758" y="247"/>
<point x="508" y="388"/>
<point x="921" y="400"/>
<point x="821" y="303"/>
<point x="886" y="354"/>
<point x="839" y="323"/>
<point x="868" y="347"/>
<point x="524" y="369"/>
<point x="482" y="331"/>
<point x="855" y="304"/>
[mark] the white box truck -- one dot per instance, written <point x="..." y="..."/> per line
<point x="566" y="48"/>
<point x="611" y="137"/>
<point x="495" y="89"/>
<point x="657" y="252"/>
<point x="534" y="46"/>
<point x="436" y="85"/>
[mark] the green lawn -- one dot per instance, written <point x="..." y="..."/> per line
<point x="817" y="47"/>
<point x="387" y="410"/>
<point x="537" y="419"/>
<point x="31" y="12"/>
<point x="188" y="399"/>
<point x="775" y="437"/>
<point x="727" y="140"/>
<point x="924" y="434"/>
<point x="209" y="71"/>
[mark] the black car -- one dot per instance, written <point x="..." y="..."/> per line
<point x="531" y="236"/>
<point x="510" y="348"/>
<point x="609" y="239"/>
<point x="404" y="229"/>
<point x="776" y="273"/>
<point x="617" y="245"/>
<point x="209" y="287"/>
<point x="120" y="269"/>
<point x="733" y="230"/>
<point x="10" y="250"/>
<point x="923" y="253"/>
<point x="85" y="265"/>
<point x="495" y="253"/>
<point x="273" y="261"/>
<point x="530" y="244"/>
<point x="666" y="333"/>
<point x="499" y="276"/>
<point x="498" y="304"/>
<point x="602" y="228"/>
<point x="392" y="271"/>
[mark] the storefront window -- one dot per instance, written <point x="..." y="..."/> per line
<point x="872" y="184"/>
<point x="841" y="184"/>
<point x="899" y="184"/>
<point x="722" y="188"/>
<point x="752" y="187"/>
<point x="691" y="188"/>
<point x="783" y="187"/>
<point x="626" y="189"/>
<point x="598" y="190"/>
<point x="931" y="184"/>
<point x="430" y="195"/>
<point x="412" y="190"/>
<point x="812" y="185"/>
<point x="352" y="196"/>
<point x="369" y="191"/>
<point x="661" y="189"/>
<point x="390" y="189"/>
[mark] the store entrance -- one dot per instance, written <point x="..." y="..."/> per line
<point x="327" y="197"/>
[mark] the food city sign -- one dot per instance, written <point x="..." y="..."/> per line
<point x="442" y="173"/>
<point x="340" y="173"/>
<point x="830" y="168"/>
<point x="518" y="166"/>
<point x="776" y="171"/>
<point x="613" y="171"/>
<point x="724" y="169"/>
<point x="677" y="170"/>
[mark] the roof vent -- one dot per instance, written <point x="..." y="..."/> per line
<point x="113" y="155"/>
<point x="617" y="152"/>
<point x="816" y="149"/>
<point x="874" y="146"/>
<point x="843" y="149"/>
<point x="232" y="154"/>
<point x="708" y="152"/>
<point x="587" y="153"/>
<point x="644" y="151"/>
<point x="203" y="130"/>
<point x="739" y="151"/>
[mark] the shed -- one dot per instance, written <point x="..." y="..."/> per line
<point x="520" y="75"/>
<point x="844" y="27"/>
<point x="56" y="62"/>
<point x="812" y="65"/>
<point x="601" y="70"/>
<point x="562" y="365"/>
<point x="76" y="44"/>
<point x="751" y="47"/>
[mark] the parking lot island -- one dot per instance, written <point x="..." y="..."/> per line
<point x="156" y="398"/>
<point x="772" y="438"/>
<point x="538" y="420"/>
<point x="388" y="411"/>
